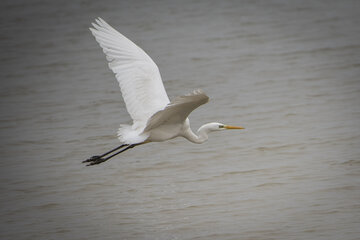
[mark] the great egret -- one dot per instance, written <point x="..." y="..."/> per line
<point x="155" y="118"/>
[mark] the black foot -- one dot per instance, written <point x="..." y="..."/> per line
<point x="94" y="160"/>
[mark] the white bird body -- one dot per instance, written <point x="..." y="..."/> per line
<point x="155" y="118"/>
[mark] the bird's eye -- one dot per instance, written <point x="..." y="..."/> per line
<point x="221" y="126"/>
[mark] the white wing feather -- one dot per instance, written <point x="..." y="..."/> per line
<point x="138" y="76"/>
<point x="178" y="110"/>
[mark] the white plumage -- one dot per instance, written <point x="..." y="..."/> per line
<point x="138" y="76"/>
<point x="155" y="118"/>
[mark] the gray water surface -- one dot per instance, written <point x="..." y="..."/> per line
<point x="288" y="71"/>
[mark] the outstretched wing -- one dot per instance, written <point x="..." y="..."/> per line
<point x="138" y="76"/>
<point x="178" y="110"/>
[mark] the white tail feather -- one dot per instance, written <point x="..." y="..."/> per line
<point x="128" y="135"/>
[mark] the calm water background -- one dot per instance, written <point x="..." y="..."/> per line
<point x="288" y="71"/>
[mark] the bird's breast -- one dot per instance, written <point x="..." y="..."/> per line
<point x="164" y="132"/>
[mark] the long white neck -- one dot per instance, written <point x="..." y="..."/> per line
<point x="202" y="134"/>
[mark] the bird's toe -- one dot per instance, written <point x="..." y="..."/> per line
<point x="93" y="158"/>
<point x="96" y="161"/>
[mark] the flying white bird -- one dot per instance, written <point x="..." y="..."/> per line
<point x="155" y="117"/>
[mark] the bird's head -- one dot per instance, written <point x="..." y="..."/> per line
<point x="205" y="129"/>
<point x="220" y="126"/>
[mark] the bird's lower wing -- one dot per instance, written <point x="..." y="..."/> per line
<point x="178" y="110"/>
<point x="138" y="76"/>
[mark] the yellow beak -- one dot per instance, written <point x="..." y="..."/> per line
<point x="232" y="127"/>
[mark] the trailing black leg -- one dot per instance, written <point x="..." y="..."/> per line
<point x="101" y="160"/>
<point x="94" y="158"/>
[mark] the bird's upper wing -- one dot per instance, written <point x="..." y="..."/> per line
<point x="178" y="110"/>
<point x="138" y="76"/>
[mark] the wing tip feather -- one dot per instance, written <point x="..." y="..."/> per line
<point x="200" y="93"/>
<point x="196" y="95"/>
